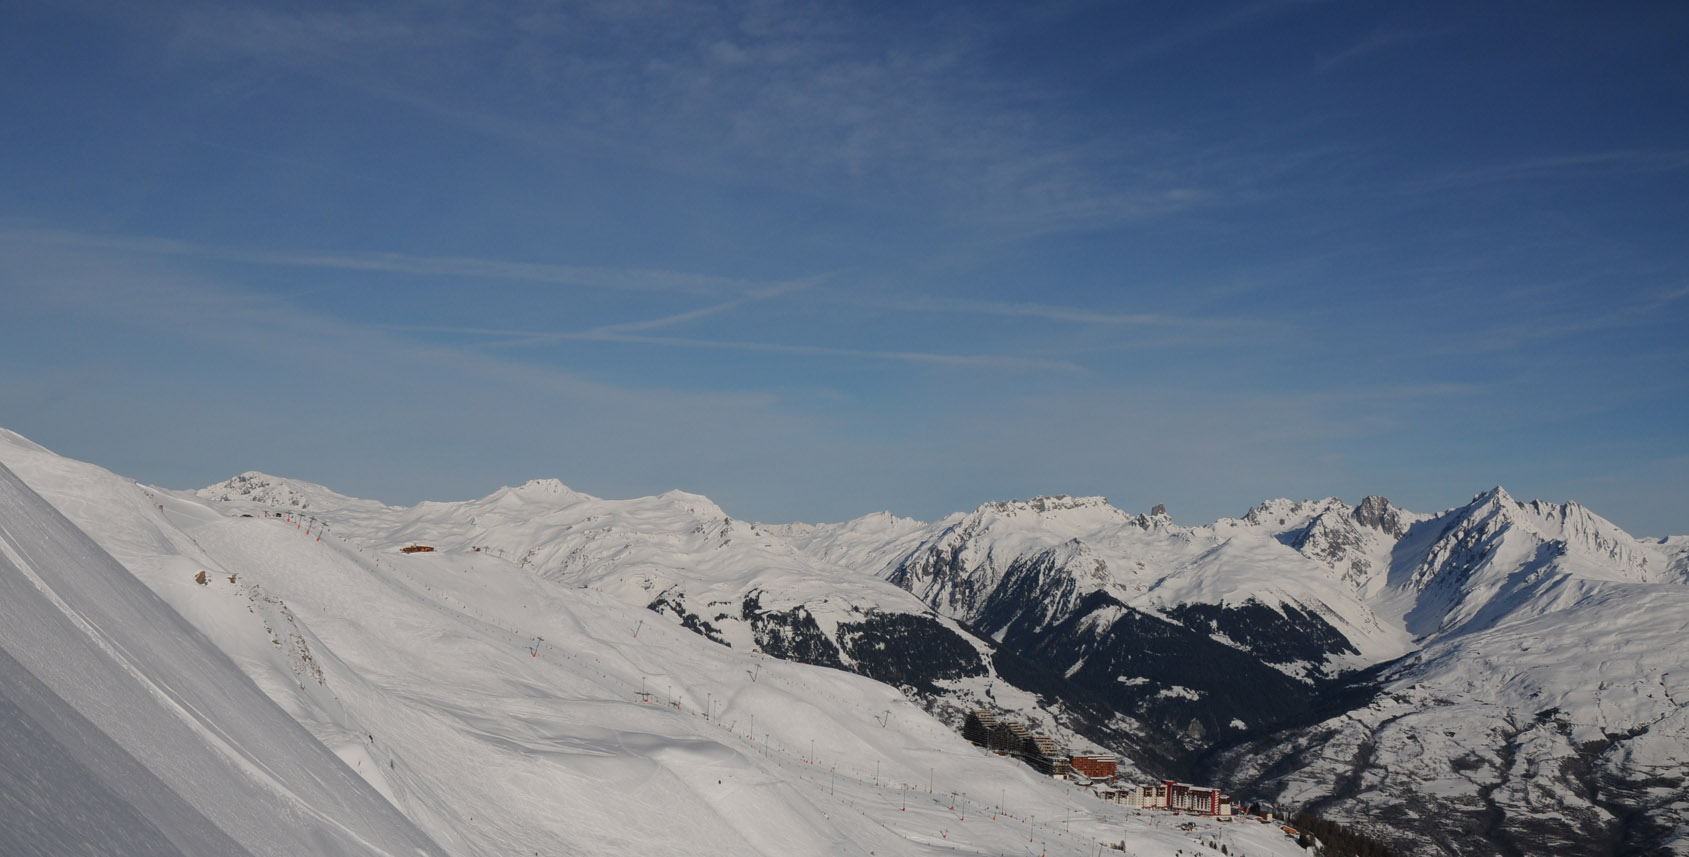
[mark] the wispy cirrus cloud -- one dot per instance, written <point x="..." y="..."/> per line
<point x="1511" y="334"/>
<point x="988" y="361"/>
<point x="1207" y="23"/>
<point x="295" y="36"/>
<point x="355" y="382"/>
<point x="744" y="293"/>
<point x="1618" y="162"/>
<point x="636" y="279"/>
<point x="788" y="94"/>
<point x="1048" y="312"/>
<point x="1371" y="44"/>
<point x="627" y="333"/>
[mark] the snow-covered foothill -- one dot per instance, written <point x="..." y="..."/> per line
<point x="144" y="736"/>
<point x="568" y="674"/>
<point x="498" y="709"/>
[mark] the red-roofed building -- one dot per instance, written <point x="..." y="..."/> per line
<point x="1182" y="796"/>
<point x="1097" y="766"/>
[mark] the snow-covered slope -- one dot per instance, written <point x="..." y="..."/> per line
<point x="1543" y="713"/>
<point x="1559" y="730"/>
<point x="129" y="732"/>
<point x="737" y="583"/>
<point x="1674" y="550"/>
<point x="1491" y="557"/>
<point x="1160" y="638"/>
<point x="1537" y="708"/>
<point x="1355" y="542"/>
<point x="1493" y="679"/>
<point x="963" y="566"/>
<point x="501" y="710"/>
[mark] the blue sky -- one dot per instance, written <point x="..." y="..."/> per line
<point x="817" y="260"/>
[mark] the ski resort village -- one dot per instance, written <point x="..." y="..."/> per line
<point x="1096" y="771"/>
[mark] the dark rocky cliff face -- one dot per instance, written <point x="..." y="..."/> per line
<point x="673" y="604"/>
<point x="910" y="651"/>
<point x="1162" y="688"/>
<point x="1280" y="637"/>
<point x="791" y="634"/>
<point x="1183" y="689"/>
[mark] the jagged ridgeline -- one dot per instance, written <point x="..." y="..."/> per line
<point x="1315" y="653"/>
<point x="1500" y="678"/>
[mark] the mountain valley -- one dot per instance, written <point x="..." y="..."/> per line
<point x="1500" y="678"/>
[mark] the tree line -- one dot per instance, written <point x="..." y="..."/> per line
<point x="1339" y="840"/>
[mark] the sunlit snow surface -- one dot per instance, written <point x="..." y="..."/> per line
<point x="501" y="711"/>
<point x="131" y="732"/>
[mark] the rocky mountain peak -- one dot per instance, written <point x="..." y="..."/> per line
<point x="1497" y="496"/>
<point x="1380" y="514"/>
<point x="262" y="488"/>
<point x="1045" y="505"/>
<point x="544" y="486"/>
<point x="1281" y="514"/>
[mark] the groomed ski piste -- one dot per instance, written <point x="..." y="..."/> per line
<point x="499" y="712"/>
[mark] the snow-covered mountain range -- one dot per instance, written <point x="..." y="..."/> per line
<point x="1503" y="677"/>
<point x="188" y="676"/>
<point x="562" y="673"/>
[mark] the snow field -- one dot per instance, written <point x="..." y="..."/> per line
<point x="502" y="711"/>
<point x="776" y="769"/>
<point x="208" y="744"/>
